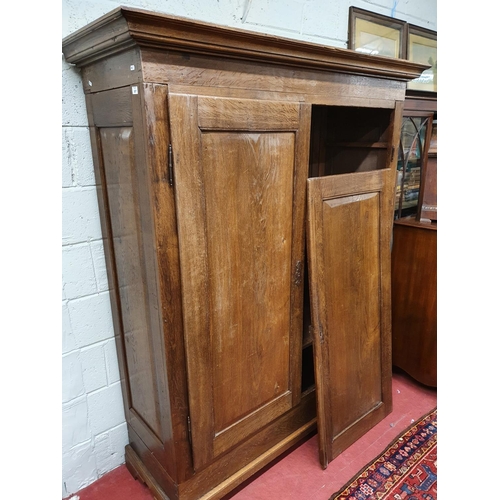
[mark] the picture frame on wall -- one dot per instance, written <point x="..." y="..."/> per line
<point x="375" y="34"/>
<point x="380" y="35"/>
<point x="422" y="48"/>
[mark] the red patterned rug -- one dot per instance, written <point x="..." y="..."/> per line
<point x="406" y="470"/>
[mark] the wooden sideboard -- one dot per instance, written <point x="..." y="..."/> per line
<point x="216" y="151"/>
<point x="414" y="299"/>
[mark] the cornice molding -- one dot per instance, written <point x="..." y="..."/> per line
<point x="125" y="27"/>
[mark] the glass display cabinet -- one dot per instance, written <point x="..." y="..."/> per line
<point x="428" y="207"/>
<point x="415" y="139"/>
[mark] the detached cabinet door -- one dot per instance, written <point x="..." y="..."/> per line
<point x="349" y="231"/>
<point x="240" y="185"/>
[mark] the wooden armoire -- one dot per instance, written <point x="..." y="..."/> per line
<point x="218" y="153"/>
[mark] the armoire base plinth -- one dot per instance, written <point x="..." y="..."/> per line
<point x="138" y="470"/>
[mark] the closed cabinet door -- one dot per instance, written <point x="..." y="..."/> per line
<point x="240" y="183"/>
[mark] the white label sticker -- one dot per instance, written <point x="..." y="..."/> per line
<point x="132" y="67"/>
<point x="135" y="90"/>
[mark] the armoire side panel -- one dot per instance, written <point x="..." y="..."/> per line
<point x="138" y="243"/>
<point x="117" y="146"/>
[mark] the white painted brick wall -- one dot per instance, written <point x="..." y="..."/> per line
<point x="93" y="426"/>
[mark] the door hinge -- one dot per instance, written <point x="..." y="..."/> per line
<point x="321" y="334"/>
<point x="392" y="154"/>
<point x="170" y="165"/>
<point x="298" y="273"/>
<point x="189" y="430"/>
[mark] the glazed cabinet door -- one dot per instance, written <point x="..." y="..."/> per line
<point x="240" y="181"/>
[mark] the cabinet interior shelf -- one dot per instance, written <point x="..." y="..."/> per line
<point x="375" y="145"/>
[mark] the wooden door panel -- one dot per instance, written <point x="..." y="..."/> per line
<point x="348" y="242"/>
<point x="235" y="176"/>
<point x="353" y="264"/>
<point x="248" y="241"/>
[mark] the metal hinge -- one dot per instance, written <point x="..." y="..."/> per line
<point x="189" y="430"/>
<point x="298" y="273"/>
<point x="392" y="154"/>
<point x="321" y="334"/>
<point x="170" y="165"/>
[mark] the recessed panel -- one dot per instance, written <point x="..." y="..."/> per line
<point x="121" y="181"/>
<point x="352" y="292"/>
<point x="249" y="256"/>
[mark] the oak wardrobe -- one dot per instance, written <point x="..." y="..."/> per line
<point x="246" y="191"/>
